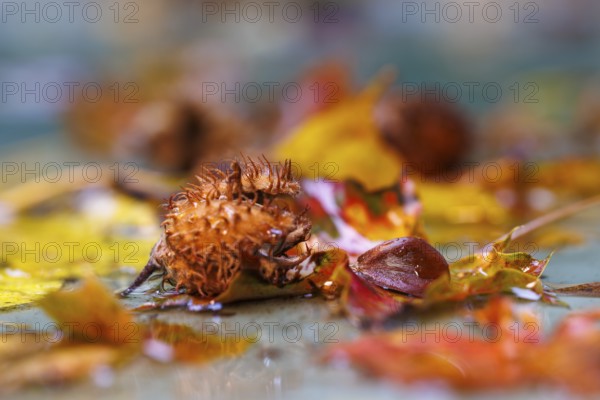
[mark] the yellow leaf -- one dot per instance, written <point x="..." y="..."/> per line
<point x="39" y="252"/>
<point x="343" y="142"/>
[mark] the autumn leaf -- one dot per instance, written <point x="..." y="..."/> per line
<point x="492" y="272"/>
<point x="60" y="364"/>
<point x="93" y="332"/>
<point x="339" y="142"/>
<point x="590" y="289"/>
<point x="567" y="178"/>
<point x="410" y="271"/>
<point x="363" y="303"/>
<point x="375" y="285"/>
<point x="17" y="343"/>
<point x="91" y="313"/>
<point x="39" y="252"/>
<point x="248" y="285"/>
<point x="513" y="357"/>
<point x="355" y="219"/>
<point x="187" y="345"/>
<point x="478" y="206"/>
<point x="462" y="211"/>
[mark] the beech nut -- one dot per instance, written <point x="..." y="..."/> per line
<point x="405" y="264"/>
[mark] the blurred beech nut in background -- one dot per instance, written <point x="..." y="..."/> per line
<point x="177" y="135"/>
<point x="432" y="135"/>
<point x="170" y="135"/>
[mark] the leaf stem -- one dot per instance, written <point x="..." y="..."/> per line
<point x="550" y="218"/>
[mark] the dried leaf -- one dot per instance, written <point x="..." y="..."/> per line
<point x="591" y="289"/>
<point x="58" y="365"/>
<point x="17" y="343"/>
<point x="94" y="332"/>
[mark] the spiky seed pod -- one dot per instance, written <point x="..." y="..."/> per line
<point x="208" y="241"/>
<point x="252" y="179"/>
<point x="216" y="227"/>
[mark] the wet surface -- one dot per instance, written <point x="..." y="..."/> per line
<point x="281" y="342"/>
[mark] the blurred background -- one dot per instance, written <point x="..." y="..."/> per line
<point x="505" y="93"/>
<point x="521" y="71"/>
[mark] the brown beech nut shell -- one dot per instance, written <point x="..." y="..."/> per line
<point x="228" y="221"/>
<point x="406" y="265"/>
